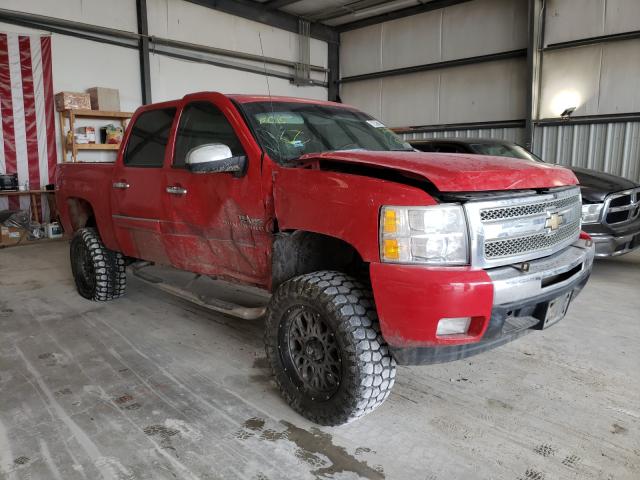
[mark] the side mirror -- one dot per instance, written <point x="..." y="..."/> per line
<point x="215" y="158"/>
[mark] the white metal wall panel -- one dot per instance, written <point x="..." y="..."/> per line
<point x="609" y="147"/>
<point x="360" y="51"/>
<point x="172" y="78"/>
<point x="120" y="14"/>
<point x="483" y="92"/>
<point x="410" y="99"/>
<point x="188" y="22"/>
<point x="509" y="134"/>
<point x="620" y="77"/>
<point x="366" y="95"/>
<point x="471" y="93"/>
<point x="568" y="20"/>
<point x="482" y="27"/>
<point x="598" y="79"/>
<point x="471" y="29"/>
<point x="414" y="40"/>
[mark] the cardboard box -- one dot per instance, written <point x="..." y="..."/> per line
<point x="11" y="236"/>
<point x="85" y="135"/>
<point x="104" y="99"/>
<point x="72" y="101"/>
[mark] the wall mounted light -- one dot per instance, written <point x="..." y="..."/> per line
<point x="565" y="102"/>
<point x="566" y="114"/>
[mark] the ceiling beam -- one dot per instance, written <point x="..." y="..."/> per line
<point x="259" y="13"/>
<point x="276" y="4"/>
<point x="401" y="13"/>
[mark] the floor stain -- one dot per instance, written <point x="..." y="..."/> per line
<point x="64" y="391"/>
<point x="545" y="450"/>
<point x="44" y="356"/>
<point x="571" y="461"/>
<point x="532" y="474"/>
<point x="313" y="447"/>
<point x="124" y="399"/>
<point x="261" y="362"/>
<point x="163" y="433"/>
<point x="615" y="429"/>
<point x="492" y="402"/>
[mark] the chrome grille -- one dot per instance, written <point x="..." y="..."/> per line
<point x="521" y="228"/>
<point x="622" y="207"/>
<point x="524" y="210"/>
<point x="518" y="246"/>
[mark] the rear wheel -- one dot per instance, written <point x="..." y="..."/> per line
<point x="99" y="273"/>
<point x="324" y="345"/>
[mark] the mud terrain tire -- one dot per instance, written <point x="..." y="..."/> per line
<point x="325" y="348"/>
<point x="99" y="273"/>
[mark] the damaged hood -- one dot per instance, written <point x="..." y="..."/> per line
<point x="455" y="172"/>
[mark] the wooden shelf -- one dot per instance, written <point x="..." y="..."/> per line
<point x="97" y="146"/>
<point x="71" y="116"/>
<point x="96" y="114"/>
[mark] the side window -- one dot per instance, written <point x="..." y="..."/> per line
<point x="202" y="123"/>
<point x="148" y="138"/>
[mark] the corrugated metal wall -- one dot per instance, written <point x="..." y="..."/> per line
<point x="609" y="147"/>
<point x="510" y="134"/>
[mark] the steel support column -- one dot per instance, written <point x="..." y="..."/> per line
<point x="143" y="50"/>
<point x="334" y="72"/>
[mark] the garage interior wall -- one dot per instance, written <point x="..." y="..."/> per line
<point x="489" y="98"/>
<point x="79" y="64"/>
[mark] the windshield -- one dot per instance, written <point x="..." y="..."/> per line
<point x="504" y="150"/>
<point x="288" y="130"/>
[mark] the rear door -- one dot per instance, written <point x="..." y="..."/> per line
<point x="138" y="183"/>
<point x="216" y="223"/>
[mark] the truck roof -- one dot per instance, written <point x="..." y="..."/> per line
<point x="245" y="98"/>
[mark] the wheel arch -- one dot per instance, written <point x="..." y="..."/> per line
<point x="81" y="213"/>
<point x="296" y="252"/>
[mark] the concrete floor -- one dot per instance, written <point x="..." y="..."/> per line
<point x="151" y="387"/>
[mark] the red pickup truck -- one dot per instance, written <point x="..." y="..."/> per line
<point x="369" y="253"/>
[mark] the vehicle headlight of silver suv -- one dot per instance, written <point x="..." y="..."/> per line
<point x="433" y="235"/>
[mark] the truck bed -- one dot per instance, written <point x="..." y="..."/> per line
<point x="90" y="182"/>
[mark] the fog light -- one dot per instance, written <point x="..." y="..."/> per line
<point x="453" y="326"/>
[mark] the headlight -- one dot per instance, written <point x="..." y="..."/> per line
<point x="435" y="235"/>
<point x="591" y="212"/>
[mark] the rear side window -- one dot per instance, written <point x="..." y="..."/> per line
<point x="202" y="123"/>
<point x="148" y="139"/>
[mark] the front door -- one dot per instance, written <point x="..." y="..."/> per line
<point x="138" y="185"/>
<point x="215" y="222"/>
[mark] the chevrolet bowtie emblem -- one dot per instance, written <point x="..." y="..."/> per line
<point x="554" y="221"/>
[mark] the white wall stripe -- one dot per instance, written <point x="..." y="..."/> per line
<point x="4" y="202"/>
<point x="18" y="115"/>
<point x="41" y="125"/>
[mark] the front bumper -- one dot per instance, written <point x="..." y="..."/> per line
<point x="612" y="245"/>
<point x="504" y="303"/>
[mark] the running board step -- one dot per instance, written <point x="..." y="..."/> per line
<point x="161" y="278"/>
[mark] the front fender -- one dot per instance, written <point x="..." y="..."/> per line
<point x="339" y="205"/>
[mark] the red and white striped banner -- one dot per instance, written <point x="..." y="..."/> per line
<point x="27" y="136"/>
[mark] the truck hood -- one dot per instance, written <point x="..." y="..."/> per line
<point x="595" y="185"/>
<point x="454" y="172"/>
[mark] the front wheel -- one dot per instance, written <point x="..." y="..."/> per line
<point x="325" y="348"/>
<point x="99" y="273"/>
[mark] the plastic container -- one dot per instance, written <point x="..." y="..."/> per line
<point x="54" y="230"/>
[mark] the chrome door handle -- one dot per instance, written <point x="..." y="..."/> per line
<point x="121" y="185"/>
<point x="175" y="190"/>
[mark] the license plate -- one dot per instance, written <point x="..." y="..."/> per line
<point x="557" y="309"/>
